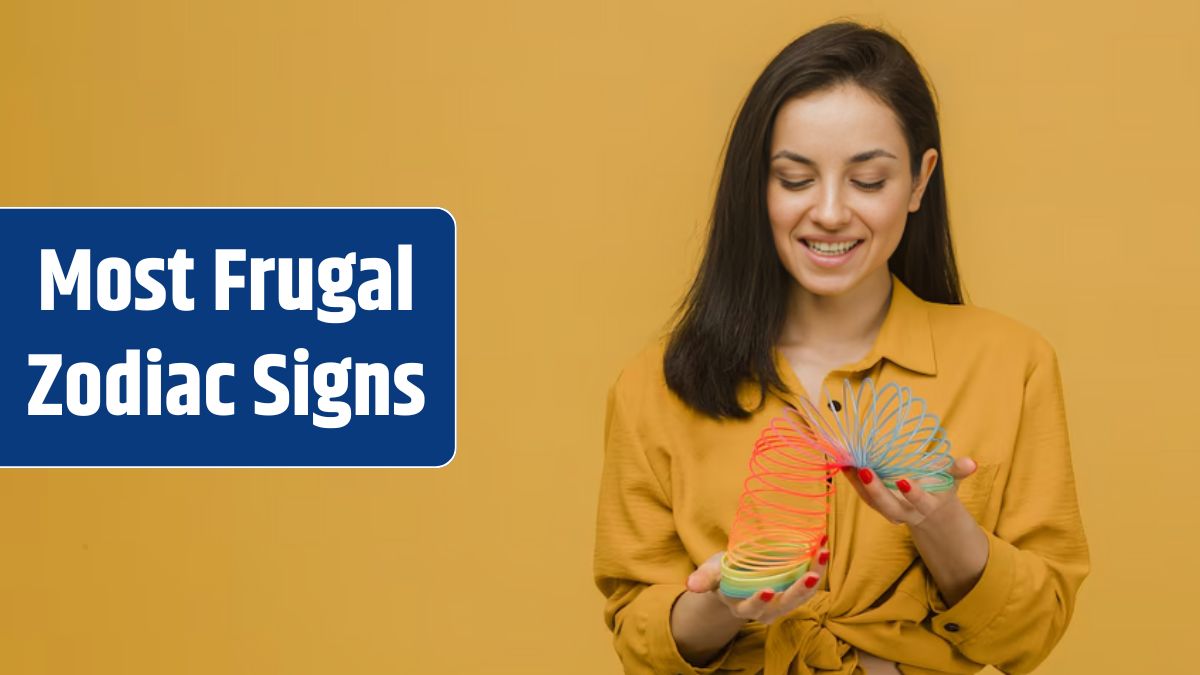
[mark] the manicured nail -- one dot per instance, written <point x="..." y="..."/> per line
<point x="824" y="538"/>
<point x="823" y="558"/>
<point x="903" y="485"/>
<point x="766" y="594"/>
<point x="865" y="475"/>
<point x="810" y="581"/>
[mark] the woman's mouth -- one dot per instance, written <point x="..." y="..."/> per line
<point x="829" y="254"/>
<point x="831" y="249"/>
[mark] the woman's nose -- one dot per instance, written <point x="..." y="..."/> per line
<point x="831" y="211"/>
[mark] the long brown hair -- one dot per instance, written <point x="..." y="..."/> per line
<point x="732" y="315"/>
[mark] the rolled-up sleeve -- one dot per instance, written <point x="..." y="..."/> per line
<point x="640" y="564"/>
<point x="1037" y="554"/>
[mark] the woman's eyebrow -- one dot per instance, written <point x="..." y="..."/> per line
<point x="860" y="157"/>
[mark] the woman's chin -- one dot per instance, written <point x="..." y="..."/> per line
<point x="826" y="282"/>
<point x="827" y="285"/>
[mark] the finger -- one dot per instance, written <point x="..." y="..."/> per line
<point x="799" y="592"/>
<point x="869" y="496"/>
<point x="753" y="607"/>
<point x="880" y="497"/>
<point x="768" y="604"/>
<point x="802" y="589"/>
<point x="851" y="474"/>
<point x="916" y="496"/>
<point x="708" y="576"/>
<point x="821" y="559"/>
<point x="806" y="585"/>
<point x="963" y="467"/>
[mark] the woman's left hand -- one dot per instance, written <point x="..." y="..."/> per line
<point x="911" y="504"/>
<point x="952" y="545"/>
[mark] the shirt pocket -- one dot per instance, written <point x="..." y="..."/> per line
<point x="975" y="490"/>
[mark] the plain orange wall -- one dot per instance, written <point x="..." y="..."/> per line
<point x="577" y="146"/>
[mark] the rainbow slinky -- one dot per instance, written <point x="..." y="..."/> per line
<point x="887" y="430"/>
<point x="783" y="510"/>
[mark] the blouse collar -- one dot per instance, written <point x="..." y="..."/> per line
<point x="905" y="338"/>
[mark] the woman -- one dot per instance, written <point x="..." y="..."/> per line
<point x="830" y="259"/>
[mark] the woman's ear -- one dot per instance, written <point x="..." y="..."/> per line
<point x="928" y="162"/>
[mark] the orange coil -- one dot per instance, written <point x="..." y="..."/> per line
<point x="783" y="511"/>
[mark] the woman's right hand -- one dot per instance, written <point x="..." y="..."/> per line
<point x="766" y="605"/>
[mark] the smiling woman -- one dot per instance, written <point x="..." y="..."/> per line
<point x="837" y="213"/>
<point x="829" y="260"/>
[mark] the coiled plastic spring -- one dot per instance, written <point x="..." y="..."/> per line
<point x="887" y="430"/>
<point x="783" y="510"/>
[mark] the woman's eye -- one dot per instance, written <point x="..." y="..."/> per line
<point x="796" y="185"/>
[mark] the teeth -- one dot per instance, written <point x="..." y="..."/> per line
<point x="831" y="249"/>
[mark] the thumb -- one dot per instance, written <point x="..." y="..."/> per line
<point x="708" y="576"/>
<point x="963" y="467"/>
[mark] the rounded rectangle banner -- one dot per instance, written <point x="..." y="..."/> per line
<point x="229" y="337"/>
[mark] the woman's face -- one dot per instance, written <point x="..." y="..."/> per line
<point x="839" y="189"/>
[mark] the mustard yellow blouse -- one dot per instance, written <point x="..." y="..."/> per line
<point x="672" y="478"/>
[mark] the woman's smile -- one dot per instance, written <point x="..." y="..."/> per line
<point x="831" y="253"/>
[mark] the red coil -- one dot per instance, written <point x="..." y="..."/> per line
<point x="784" y="507"/>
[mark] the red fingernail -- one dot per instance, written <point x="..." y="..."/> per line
<point x="766" y="594"/>
<point x="823" y="558"/>
<point x="847" y="469"/>
<point x="810" y="581"/>
<point x="903" y="485"/>
<point x="824" y="538"/>
<point x="865" y="475"/>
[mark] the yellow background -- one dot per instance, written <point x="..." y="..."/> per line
<point x="577" y="145"/>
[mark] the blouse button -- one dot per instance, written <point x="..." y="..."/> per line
<point x="951" y="627"/>
<point x="835" y="406"/>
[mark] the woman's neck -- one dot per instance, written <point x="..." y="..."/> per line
<point x="838" y="327"/>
